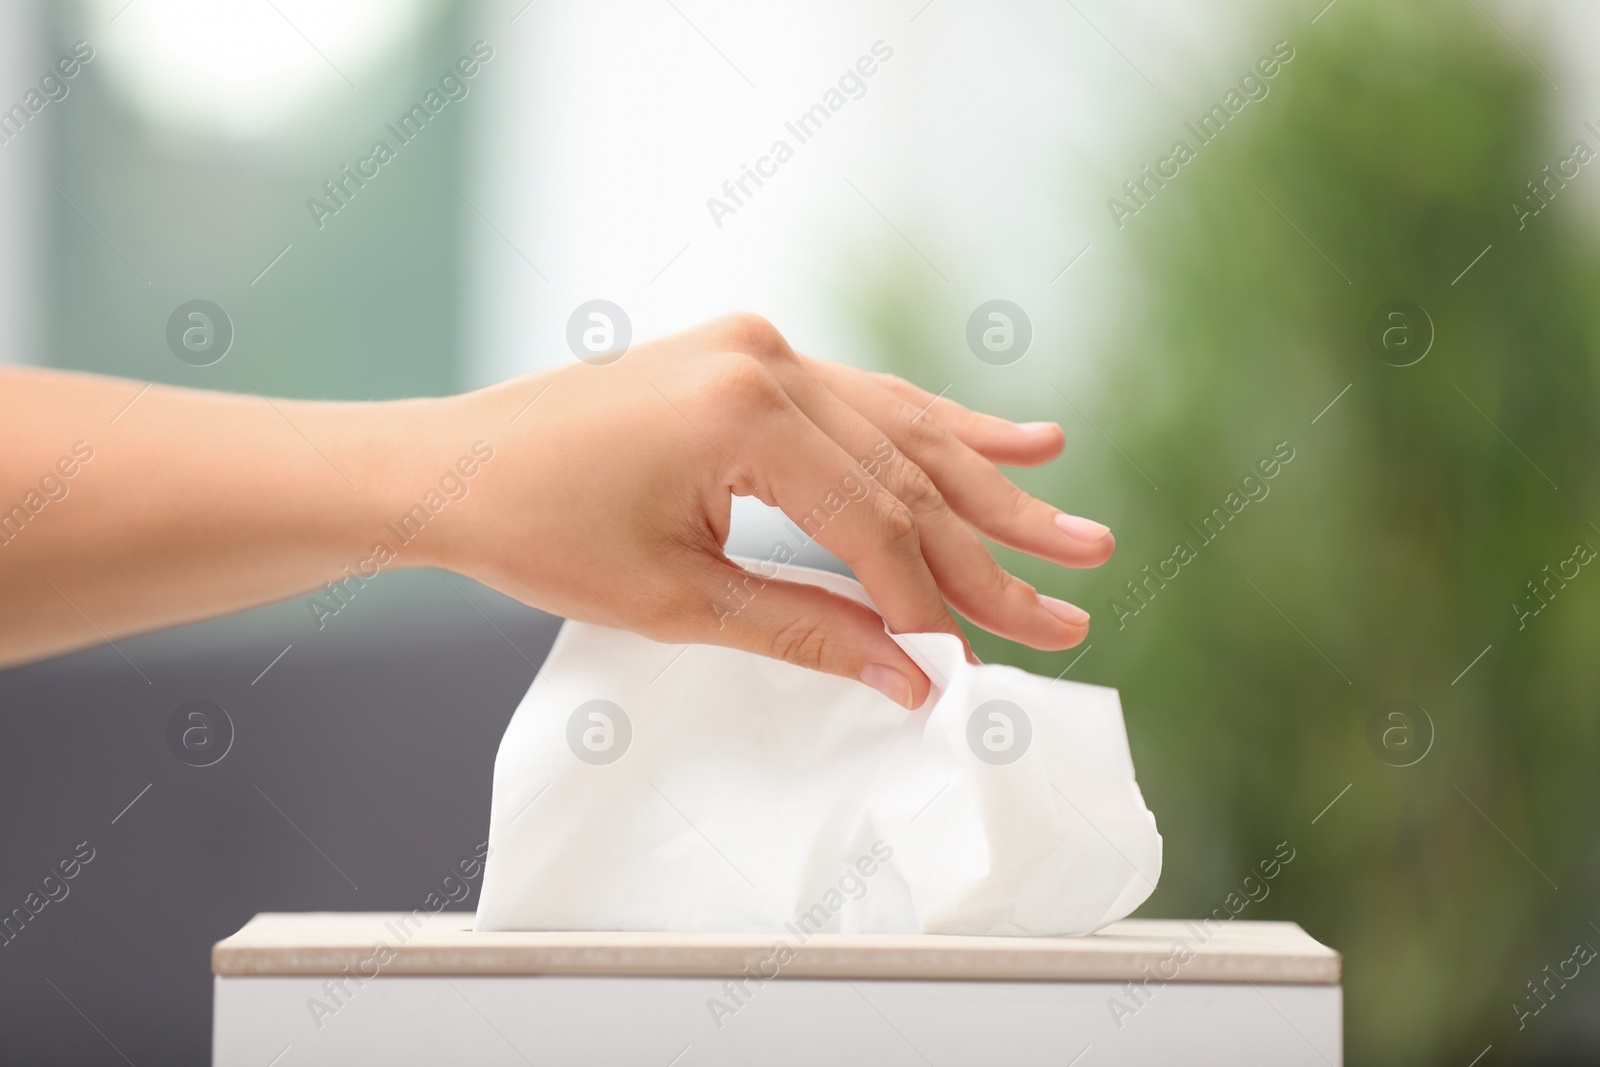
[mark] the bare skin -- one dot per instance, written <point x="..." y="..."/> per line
<point x="604" y="496"/>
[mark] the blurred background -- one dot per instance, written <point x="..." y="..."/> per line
<point x="1370" y="272"/>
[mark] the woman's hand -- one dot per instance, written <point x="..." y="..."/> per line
<point x="597" y="492"/>
<point x="608" y="500"/>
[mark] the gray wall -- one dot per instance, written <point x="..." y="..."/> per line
<point x="375" y="735"/>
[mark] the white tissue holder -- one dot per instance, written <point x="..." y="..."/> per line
<point x="293" y="990"/>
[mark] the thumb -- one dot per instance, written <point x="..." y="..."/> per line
<point x="809" y="627"/>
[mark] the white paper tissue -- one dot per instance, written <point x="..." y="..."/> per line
<point x="642" y="786"/>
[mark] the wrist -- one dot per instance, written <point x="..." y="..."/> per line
<point x="426" y="466"/>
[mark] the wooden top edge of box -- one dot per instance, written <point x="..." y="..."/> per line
<point x="421" y="943"/>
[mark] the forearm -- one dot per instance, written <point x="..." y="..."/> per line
<point x="189" y="504"/>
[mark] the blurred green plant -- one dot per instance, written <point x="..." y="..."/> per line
<point x="1390" y="550"/>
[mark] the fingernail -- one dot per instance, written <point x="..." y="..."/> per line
<point x="1081" y="529"/>
<point x="1036" y="427"/>
<point x="1068" y="613"/>
<point x="888" y="681"/>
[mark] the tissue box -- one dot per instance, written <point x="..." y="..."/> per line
<point x="417" y="988"/>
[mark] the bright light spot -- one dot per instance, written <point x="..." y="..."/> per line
<point x="241" y="68"/>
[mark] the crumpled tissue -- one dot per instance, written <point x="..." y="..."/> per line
<point x="642" y="786"/>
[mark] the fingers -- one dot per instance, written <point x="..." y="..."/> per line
<point x="998" y="440"/>
<point x="972" y="485"/>
<point x="966" y="573"/>
<point x="810" y="627"/>
<point x="793" y="464"/>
